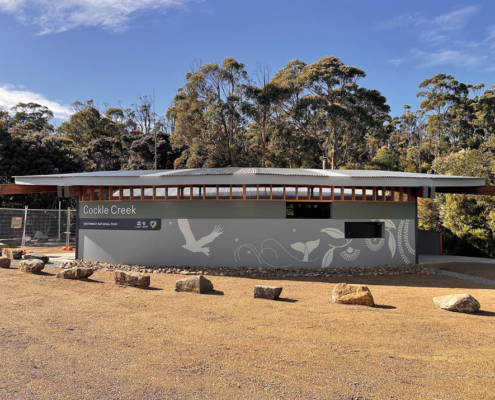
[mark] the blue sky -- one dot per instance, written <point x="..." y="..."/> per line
<point x="55" y="52"/>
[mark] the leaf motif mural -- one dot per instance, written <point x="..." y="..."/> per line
<point x="335" y="233"/>
<point x="389" y="224"/>
<point x="328" y="258"/>
<point x="392" y="244"/>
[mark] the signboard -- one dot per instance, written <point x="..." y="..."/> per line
<point x="121" y="224"/>
<point x="16" y="222"/>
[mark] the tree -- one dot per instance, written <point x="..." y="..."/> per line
<point x="209" y="125"/>
<point x="386" y="159"/>
<point x="468" y="221"/>
<point x="261" y="108"/>
<point x="326" y="104"/>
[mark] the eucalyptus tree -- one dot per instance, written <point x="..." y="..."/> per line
<point x="325" y="103"/>
<point x="485" y="114"/>
<point x="451" y="113"/>
<point x="210" y="127"/>
<point x="262" y="98"/>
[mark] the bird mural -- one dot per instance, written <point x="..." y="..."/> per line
<point x="196" y="246"/>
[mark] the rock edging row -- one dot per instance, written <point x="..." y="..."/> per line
<point x="288" y="272"/>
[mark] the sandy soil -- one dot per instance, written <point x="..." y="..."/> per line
<point x="484" y="270"/>
<point x="96" y="340"/>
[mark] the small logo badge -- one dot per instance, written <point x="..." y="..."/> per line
<point x="153" y="224"/>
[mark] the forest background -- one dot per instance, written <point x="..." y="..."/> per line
<point x="222" y="116"/>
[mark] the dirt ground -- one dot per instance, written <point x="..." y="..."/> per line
<point x="95" y="340"/>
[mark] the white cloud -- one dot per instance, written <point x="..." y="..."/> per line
<point x="447" y="57"/>
<point x="53" y="16"/>
<point x="403" y="20"/>
<point x="397" y="61"/>
<point x="11" y="96"/>
<point x="454" y="20"/>
<point x="445" y="40"/>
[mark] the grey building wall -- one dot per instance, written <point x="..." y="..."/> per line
<point x="239" y="234"/>
<point x="385" y="210"/>
<point x="184" y="209"/>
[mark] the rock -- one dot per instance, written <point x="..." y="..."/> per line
<point x="36" y="256"/>
<point x="132" y="278"/>
<point x="267" y="292"/>
<point x="464" y="303"/>
<point x="31" y="266"/>
<point x="196" y="284"/>
<point x="13" y="254"/>
<point x="4" y="262"/>
<point x="352" y="294"/>
<point x="75" y="273"/>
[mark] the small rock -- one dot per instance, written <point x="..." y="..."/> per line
<point x="132" y="278"/>
<point x="267" y="292"/>
<point x="196" y="284"/>
<point x="75" y="273"/>
<point x="36" y="256"/>
<point x="5" y="262"/>
<point x="31" y="266"/>
<point x="352" y="294"/>
<point x="464" y="303"/>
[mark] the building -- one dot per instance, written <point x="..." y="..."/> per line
<point x="248" y="216"/>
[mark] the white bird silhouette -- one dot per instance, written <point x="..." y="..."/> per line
<point x="196" y="246"/>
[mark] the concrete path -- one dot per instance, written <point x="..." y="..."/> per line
<point x="57" y="258"/>
<point x="437" y="259"/>
<point x="471" y="278"/>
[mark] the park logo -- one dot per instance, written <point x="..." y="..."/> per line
<point x="153" y="224"/>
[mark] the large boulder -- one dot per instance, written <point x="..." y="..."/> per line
<point x="464" y="303"/>
<point x="196" y="284"/>
<point x="75" y="273"/>
<point x="5" y="262"/>
<point x="132" y="279"/>
<point x="352" y="294"/>
<point x="12" y="253"/>
<point x="31" y="266"/>
<point x="36" y="256"/>
<point x="267" y="292"/>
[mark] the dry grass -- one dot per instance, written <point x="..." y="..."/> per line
<point x="94" y="339"/>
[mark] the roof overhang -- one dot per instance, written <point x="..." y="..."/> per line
<point x="62" y="191"/>
<point x="252" y="176"/>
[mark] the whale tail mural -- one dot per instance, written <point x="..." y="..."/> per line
<point x="305" y="248"/>
<point x="197" y="246"/>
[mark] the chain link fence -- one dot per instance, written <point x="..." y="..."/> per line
<point x="37" y="228"/>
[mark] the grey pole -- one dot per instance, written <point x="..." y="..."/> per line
<point x="59" y="215"/>
<point x="68" y="229"/>
<point x="23" y="242"/>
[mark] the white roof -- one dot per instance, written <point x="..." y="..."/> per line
<point x="235" y="175"/>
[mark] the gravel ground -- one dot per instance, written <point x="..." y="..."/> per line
<point x="96" y="340"/>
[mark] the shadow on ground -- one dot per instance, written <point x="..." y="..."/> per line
<point x="215" y="293"/>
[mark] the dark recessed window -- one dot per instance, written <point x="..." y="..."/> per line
<point x="306" y="210"/>
<point x="363" y="230"/>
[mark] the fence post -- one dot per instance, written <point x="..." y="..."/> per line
<point x="23" y="242"/>
<point x="68" y="229"/>
<point x="59" y="215"/>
